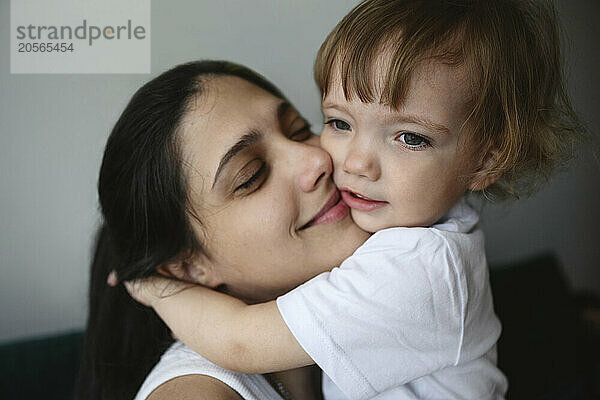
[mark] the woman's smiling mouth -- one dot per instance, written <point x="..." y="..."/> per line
<point x="334" y="210"/>
<point x="359" y="202"/>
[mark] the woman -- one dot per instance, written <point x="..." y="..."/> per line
<point x="211" y="176"/>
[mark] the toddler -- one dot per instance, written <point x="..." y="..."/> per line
<point x="424" y="102"/>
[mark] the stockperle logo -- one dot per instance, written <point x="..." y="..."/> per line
<point x="80" y="36"/>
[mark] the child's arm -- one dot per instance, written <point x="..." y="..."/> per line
<point x="236" y="336"/>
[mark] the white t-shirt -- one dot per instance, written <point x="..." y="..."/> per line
<point x="180" y="360"/>
<point x="408" y="315"/>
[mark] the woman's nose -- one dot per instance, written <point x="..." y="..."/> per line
<point x="316" y="167"/>
<point x="361" y="161"/>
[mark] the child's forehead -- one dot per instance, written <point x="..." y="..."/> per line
<point x="381" y="83"/>
<point x="434" y="89"/>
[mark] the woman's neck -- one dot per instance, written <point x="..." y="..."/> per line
<point x="301" y="383"/>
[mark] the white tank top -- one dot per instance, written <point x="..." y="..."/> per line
<point x="180" y="360"/>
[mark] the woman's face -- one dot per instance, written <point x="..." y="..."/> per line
<point x="267" y="210"/>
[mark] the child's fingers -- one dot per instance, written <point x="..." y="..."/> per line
<point x="137" y="290"/>
<point x="112" y="279"/>
<point x="153" y="288"/>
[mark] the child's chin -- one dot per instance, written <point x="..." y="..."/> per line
<point x="367" y="222"/>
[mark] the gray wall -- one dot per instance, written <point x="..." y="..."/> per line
<point x="53" y="129"/>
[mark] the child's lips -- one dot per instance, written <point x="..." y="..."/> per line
<point x="359" y="202"/>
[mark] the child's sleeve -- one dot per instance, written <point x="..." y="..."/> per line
<point x="389" y="314"/>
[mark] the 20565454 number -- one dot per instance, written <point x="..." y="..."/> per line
<point x="48" y="47"/>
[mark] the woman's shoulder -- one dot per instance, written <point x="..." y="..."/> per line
<point x="182" y="373"/>
<point x="194" y="387"/>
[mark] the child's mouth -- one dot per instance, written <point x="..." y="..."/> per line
<point x="359" y="202"/>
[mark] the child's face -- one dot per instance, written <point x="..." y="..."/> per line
<point x="406" y="167"/>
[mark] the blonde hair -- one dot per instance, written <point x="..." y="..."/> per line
<point x="520" y="108"/>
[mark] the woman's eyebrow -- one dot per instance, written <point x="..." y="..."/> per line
<point x="282" y="108"/>
<point x="244" y="142"/>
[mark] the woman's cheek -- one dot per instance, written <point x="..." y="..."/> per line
<point x="261" y="219"/>
<point x="274" y="220"/>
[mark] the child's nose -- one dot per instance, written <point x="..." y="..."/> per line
<point x="363" y="163"/>
<point x="315" y="167"/>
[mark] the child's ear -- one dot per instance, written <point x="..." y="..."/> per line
<point x="196" y="268"/>
<point x="485" y="175"/>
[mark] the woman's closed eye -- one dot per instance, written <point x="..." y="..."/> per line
<point x="412" y="141"/>
<point x="253" y="174"/>
<point x="302" y="134"/>
<point x="338" y="124"/>
<point x="251" y="177"/>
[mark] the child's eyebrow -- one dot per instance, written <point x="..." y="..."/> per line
<point x="400" y="118"/>
<point x="328" y="104"/>
<point x="416" y="119"/>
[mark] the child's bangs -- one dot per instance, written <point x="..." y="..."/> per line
<point x="374" y="59"/>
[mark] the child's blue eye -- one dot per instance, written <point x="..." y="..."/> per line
<point x="338" y="124"/>
<point x="412" y="140"/>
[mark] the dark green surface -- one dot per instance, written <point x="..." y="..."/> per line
<point x="43" y="368"/>
<point x="546" y="350"/>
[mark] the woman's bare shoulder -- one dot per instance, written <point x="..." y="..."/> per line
<point x="196" y="387"/>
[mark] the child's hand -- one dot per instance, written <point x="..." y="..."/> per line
<point x="149" y="290"/>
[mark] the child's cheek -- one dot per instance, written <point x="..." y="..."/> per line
<point x="321" y="138"/>
<point x="327" y="144"/>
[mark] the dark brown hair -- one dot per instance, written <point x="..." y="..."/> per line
<point x="519" y="106"/>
